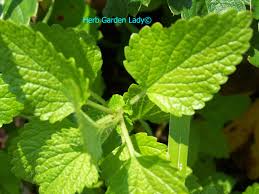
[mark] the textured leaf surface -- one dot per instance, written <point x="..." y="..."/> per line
<point x="144" y="108"/>
<point x="145" y="175"/>
<point x="9" y="184"/>
<point x="26" y="147"/>
<point x="41" y="77"/>
<point x="143" y="144"/>
<point x="76" y="44"/>
<point x="180" y="67"/>
<point x="254" y="189"/>
<point x="116" y="102"/>
<point x="64" y="166"/>
<point x="9" y="106"/>
<point x="20" y="11"/>
<point x="222" y="5"/>
<point x="146" y="146"/>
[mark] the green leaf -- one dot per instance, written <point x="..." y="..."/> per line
<point x="194" y="145"/>
<point x="64" y="166"/>
<point x="211" y="181"/>
<point x="198" y="8"/>
<point x="255" y="8"/>
<point x="93" y="191"/>
<point x="144" y="175"/>
<point x="1" y="8"/>
<point x="76" y="44"/>
<point x="181" y="67"/>
<point x="193" y="185"/>
<point x="25" y="149"/>
<point x="99" y="85"/>
<point x="58" y="147"/>
<point x="93" y="113"/>
<point x="208" y="166"/>
<point x="9" y="184"/>
<point x="223" y="5"/>
<point x="121" y="8"/>
<point x="237" y="105"/>
<point x="20" y="11"/>
<point x="91" y="29"/>
<point x="143" y="144"/>
<point x="254" y="58"/>
<point x="152" y="6"/>
<point x="221" y="182"/>
<point x="40" y="76"/>
<point x="115" y="8"/>
<point x="211" y="139"/>
<point x="144" y="108"/>
<point x="254" y="189"/>
<point x="209" y="189"/>
<point x="111" y="142"/>
<point x="146" y="146"/>
<point x="116" y="102"/>
<point x="253" y="53"/>
<point x="91" y="137"/>
<point x="247" y="2"/>
<point x="9" y="106"/>
<point x="67" y="14"/>
<point x="217" y="183"/>
<point x="177" y="6"/>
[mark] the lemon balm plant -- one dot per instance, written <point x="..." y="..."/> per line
<point x="48" y="75"/>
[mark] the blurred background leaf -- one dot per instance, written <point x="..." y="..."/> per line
<point x="20" y="11"/>
<point x="9" y="184"/>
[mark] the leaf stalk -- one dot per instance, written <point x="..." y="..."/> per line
<point x="98" y="98"/>
<point x="125" y="134"/>
<point x="49" y="12"/>
<point x="178" y="141"/>
<point x="99" y="107"/>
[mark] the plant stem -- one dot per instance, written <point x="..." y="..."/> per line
<point x="178" y="141"/>
<point x="47" y="16"/>
<point x="125" y="134"/>
<point x="98" y="98"/>
<point x="136" y="98"/>
<point x="99" y="107"/>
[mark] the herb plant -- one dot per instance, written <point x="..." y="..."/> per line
<point x="74" y="140"/>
